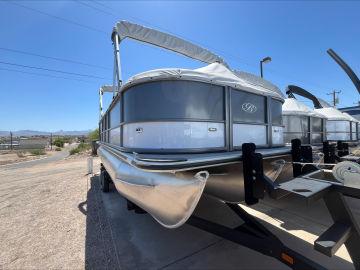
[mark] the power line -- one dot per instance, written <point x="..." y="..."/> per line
<point x="95" y="8"/>
<point x="52" y="70"/>
<point x="58" y="18"/>
<point x="234" y="57"/>
<point x="53" y="58"/>
<point x="237" y="59"/>
<point x="100" y="3"/>
<point x="44" y="75"/>
<point x="158" y="27"/>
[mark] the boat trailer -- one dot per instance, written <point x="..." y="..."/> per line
<point x="306" y="184"/>
<point x="338" y="151"/>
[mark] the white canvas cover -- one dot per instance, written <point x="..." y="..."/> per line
<point x="126" y="29"/>
<point x="332" y="113"/>
<point x="256" y="80"/>
<point x="351" y="118"/>
<point x="292" y="106"/>
<point x="214" y="73"/>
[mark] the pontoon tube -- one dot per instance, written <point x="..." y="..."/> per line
<point x="169" y="197"/>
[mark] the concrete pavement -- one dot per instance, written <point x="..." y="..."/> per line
<point x="141" y="243"/>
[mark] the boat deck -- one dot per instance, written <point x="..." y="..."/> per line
<point x="165" y="162"/>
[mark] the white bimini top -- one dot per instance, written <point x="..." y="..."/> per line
<point x="215" y="73"/>
<point x="330" y="112"/>
<point x="292" y="106"/>
<point x="351" y="118"/>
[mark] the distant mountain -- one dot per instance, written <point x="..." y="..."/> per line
<point x="38" y="133"/>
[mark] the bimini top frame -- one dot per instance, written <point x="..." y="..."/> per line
<point x="293" y="89"/>
<point x="346" y="68"/>
<point x="124" y="29"/>
<point x="218" y="71"/>
<point x="322" y="106"/>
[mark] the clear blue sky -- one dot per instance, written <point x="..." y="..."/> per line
<point x="296" y="35"/>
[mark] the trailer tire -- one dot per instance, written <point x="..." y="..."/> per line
<point x="104" y="181"/>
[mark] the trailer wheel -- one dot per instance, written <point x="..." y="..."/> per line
<point x="104" y="181"/>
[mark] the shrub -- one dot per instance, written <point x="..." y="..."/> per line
<point x="94" y="135"/>
<point x="82" y="147"/>
<point x="37" y="152"/>
<point x="74" y="151"/>
<point x="59" y="142"/>
<point x="57" y="149"/>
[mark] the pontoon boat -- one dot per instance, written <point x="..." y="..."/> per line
<point x="171" y="134"/>
<point x="302" y="122"/>
<point x="339" y="127"/>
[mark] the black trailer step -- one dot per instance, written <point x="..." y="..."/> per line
<point x="332" y="239"/>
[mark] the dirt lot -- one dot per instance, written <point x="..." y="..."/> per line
<point x="52" y="216"/>
<point x="7" y="157"/>
<point x="41" y="225"/>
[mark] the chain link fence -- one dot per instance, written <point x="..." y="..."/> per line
<point x="24" y="143"/>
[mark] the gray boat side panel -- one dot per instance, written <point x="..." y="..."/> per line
<point x="170" y="198"/>
<point x="174" y="100"/>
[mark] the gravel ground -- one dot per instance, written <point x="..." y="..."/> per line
<point x="43" y="216"/>
<point x="54" y="216"/>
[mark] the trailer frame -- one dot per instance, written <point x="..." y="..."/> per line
<point x="254" y="235"/>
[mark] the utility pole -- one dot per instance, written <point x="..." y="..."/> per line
<point x="335" y="100"/>
<point x="11" y="141"/>
<point x="51" y="141"/>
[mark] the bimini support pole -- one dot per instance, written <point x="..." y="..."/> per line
<point x="100" y="103"/>
<point x="103" y="89"/>
<point x="117" y="65"/>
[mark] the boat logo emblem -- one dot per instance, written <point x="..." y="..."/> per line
<point x="139" y="130"/>
<point x="249" y="107"/>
